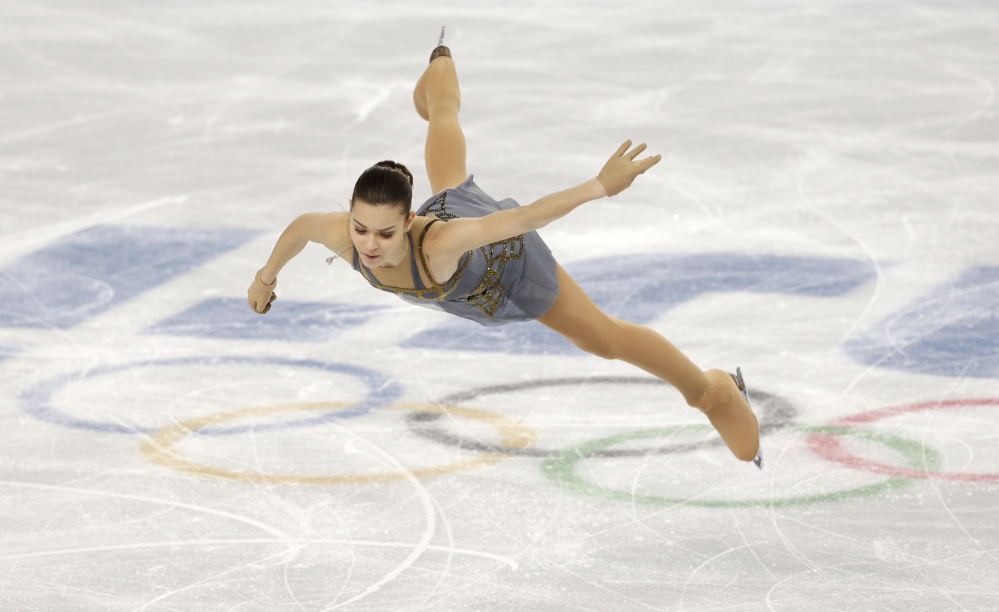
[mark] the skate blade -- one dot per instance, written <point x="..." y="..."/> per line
<point x="739" y="382"/>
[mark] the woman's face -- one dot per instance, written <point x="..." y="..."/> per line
<point x="379" y="233"/>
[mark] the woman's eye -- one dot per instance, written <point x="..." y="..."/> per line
<point x="387" y="235"/>
<point x="359" y="231"/>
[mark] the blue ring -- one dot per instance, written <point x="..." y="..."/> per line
<point x="36" y="401"/>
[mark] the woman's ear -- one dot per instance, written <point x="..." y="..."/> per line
<point x="409" y="219"/>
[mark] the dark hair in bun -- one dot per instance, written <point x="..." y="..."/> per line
<point x="397" y="167"/>
<point x="386" y="183"/>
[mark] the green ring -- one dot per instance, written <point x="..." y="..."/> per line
<point x="561" y="469"/>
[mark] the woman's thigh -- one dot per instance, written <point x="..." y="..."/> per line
<point x="445" y="151"/>
<point x="577" y="318"/>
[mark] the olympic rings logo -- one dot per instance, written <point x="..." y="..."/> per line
<point x="38" y="400"/>
<point x="158" y="448"/>
<point x="830" y="449"/>
<point x="162" y="445"/>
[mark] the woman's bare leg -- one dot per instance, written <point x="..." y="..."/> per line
<point x="438" y="99"/>
<point x="578" y="319"/>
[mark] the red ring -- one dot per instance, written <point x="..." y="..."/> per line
<point x="828" y="446"/>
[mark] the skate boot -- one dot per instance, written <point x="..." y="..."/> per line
<point x="438" y="73"/>
<point x="733" y="418"/>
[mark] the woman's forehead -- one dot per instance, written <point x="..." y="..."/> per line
<point x="376" y="217"/>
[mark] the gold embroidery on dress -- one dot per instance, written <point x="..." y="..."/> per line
<point x="488" y="295"/>
<point x="437" y="209"/>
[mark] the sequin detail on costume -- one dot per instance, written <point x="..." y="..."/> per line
<point x="488" y="295"/>
<point x="436" y="208"/>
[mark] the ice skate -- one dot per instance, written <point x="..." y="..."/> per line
<point x="731" y="414"/>
<point x="739" y="382"/>
<point x="442" y="74"/>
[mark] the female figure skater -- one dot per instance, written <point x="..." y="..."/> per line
<point x="465" y="253"/>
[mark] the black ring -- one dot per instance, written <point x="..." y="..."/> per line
<point x="776" y="413"/>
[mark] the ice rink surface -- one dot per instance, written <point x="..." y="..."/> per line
<point x="825" y="217"/>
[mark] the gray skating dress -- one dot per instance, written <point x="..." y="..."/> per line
<point x="503" y="282"/>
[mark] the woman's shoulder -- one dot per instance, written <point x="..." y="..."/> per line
<point x="333" y="222"/>
<point x="331" y="229"/>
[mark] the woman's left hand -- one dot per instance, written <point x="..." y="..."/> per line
<point x="621" y="169"/>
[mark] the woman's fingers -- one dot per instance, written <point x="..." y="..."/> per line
<point x="643" y="164"/>
<point x="623" y="151"/>
<point x="634" y="153"/>
<point x="648" y="162"/>
<point x="622" y="168"/>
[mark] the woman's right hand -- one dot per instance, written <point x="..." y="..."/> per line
<point x="260" y="295"/>
<point x="621" y="169"/>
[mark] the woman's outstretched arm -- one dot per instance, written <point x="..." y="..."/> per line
<point x="324" y="228"/>
<point x="461" y="235"/>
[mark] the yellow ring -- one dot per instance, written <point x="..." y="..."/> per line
<point x="157" y="447"/>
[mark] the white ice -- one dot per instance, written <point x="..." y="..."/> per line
<point x="163" y="470"/>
